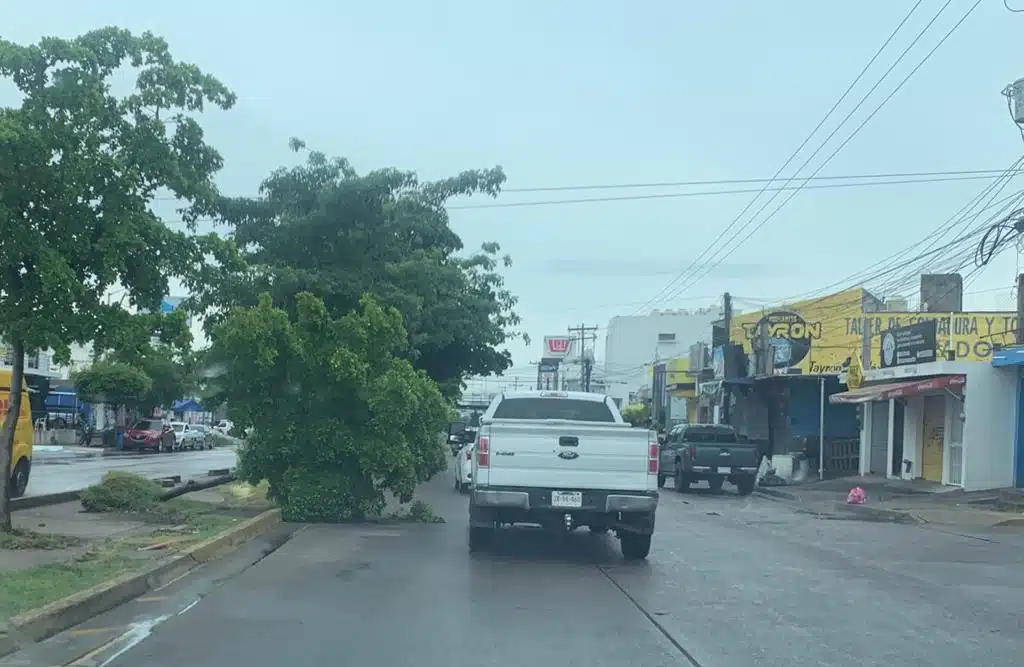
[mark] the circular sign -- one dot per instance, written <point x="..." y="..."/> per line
<point x="888" y="349"/>
<point x="789" y="335"/>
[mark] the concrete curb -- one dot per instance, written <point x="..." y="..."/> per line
<point x="867" y="513"/>
<point x="775" y="492"/>
<point x="44" y="622"/>
<point x="29" y="502"/>
<point x="1012" y="521"/>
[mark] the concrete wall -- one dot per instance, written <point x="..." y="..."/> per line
<point x="631" y="344"/>
<point x="990" y="407"/>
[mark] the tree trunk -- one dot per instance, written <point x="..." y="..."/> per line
<point x="8" y="432"/>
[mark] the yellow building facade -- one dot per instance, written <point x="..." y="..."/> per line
<point x="679" y="383"/>
<point x="817" y="335"/>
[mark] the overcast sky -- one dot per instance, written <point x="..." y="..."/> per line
<point x="592" y="93"/>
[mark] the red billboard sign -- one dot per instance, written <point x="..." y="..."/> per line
<point x="556" y="347"/>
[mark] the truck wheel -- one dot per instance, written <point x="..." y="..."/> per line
<point x="635" y="546"/>
<point x="480" y="538"/>
<point x="746" y="485"/>
<point x="680" y="480"/>
<point x="19" y="479"/>
<point x="716" y="483"/>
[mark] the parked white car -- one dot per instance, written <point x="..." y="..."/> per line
<point x="187" y="437"/>
<point x="178" y="428"/>
<point x="464" y="469"/>
<point x="224" y="426"/>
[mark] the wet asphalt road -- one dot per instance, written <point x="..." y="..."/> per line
<point x="54" y="475"/>
<point x="731" y="582"/>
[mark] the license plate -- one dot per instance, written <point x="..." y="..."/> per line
<point x="566" y="498"/>
<point x="724" y="470"/>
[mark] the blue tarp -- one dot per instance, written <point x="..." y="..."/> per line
<point x="64" y="402"/>
<point x="187" y="405"/>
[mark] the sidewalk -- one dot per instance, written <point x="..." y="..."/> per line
<point x="43" y="454"/>
<point x="901" y="501"/>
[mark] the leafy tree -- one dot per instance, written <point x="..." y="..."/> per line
<point x="636" y="414"/>
<point x="130" y="336"/>
<point x="340" y="416"/>
<point x="323" y="228"/>
<point x="158" y="344"/>
<point x="113" y="382"/>
<point x="79" y="166"/>
<point x="171" y="375"/>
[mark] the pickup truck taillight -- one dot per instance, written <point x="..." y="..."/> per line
<point x="483" y="452"/>
<point x="652" y="458"/>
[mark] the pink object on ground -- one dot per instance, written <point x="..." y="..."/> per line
<point x="857" y="496"/>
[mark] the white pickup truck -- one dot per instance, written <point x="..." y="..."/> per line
<point x="563" y="460"/>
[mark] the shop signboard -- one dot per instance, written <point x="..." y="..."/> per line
<point x="815" y="336"/>
<point x="556" y="347"/>
<point x="910" y="344"/>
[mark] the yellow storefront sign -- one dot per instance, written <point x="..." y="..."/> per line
<point x="816" y="335"/>
<point x="855" y="374"/>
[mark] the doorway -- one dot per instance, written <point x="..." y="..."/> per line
<point x="879" y="437"/>
<point x="933" y="437"/>
<point x="1019" y="455"/>
<point x="897" y="437"/>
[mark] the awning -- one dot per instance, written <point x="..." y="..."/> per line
<point x="883" y="392"/>
<point x="187" y="405"/>
<point x="1008" y="356"/>
<point x="860" y="395"/>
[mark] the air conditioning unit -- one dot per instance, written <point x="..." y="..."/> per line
<point x="1016" y="93"/>
<point x="896" y="304"/>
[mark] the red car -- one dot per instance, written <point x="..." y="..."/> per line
<point x="150" y="434"/>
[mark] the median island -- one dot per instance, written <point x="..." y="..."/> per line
<point x="120" y="526"/>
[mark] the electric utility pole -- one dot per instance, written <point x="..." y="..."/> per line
<point x="726" y="366"/>
<point x="583" y="333"/>
<point x="1019" y="330"/>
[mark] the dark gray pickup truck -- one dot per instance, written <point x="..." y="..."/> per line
<point x="710" y="452"/>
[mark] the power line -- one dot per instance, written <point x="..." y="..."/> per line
<point x="860" y="276"/>
<point x="711" y="193"/>
<point x="796" y="152"/>
<point x="835" y="152"/>
<point x="906" y="178"/>
<point x="739" y="181"/>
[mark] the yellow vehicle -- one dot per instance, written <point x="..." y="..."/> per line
<point x="21" y="459"/>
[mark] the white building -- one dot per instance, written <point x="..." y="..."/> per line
<point x="41" y="363"/>
<point x="944" y="421"/>
<point x="632" y="343"/>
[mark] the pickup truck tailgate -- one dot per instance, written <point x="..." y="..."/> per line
<point x="725" y="455"/>
<point x="566" y="455"/>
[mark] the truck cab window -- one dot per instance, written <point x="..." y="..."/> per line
<point x="547" y="408"/>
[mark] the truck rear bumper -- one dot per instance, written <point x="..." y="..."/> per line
<point x="733" y="470"/>
<point x="593" y="500"/>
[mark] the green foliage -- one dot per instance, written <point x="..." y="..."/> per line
<point x="79" y="225"/>
<point x="172" y="375"/>
<point x="324" y="229"/>
<point x="122" y="492"/>
<point x="339" y="415"/>
<point x="636" y="414"/>
<point x="113" y="382"/>
<point x="79" y="168"/>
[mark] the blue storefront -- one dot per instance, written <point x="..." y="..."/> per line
<point x="1012" y="360"/>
